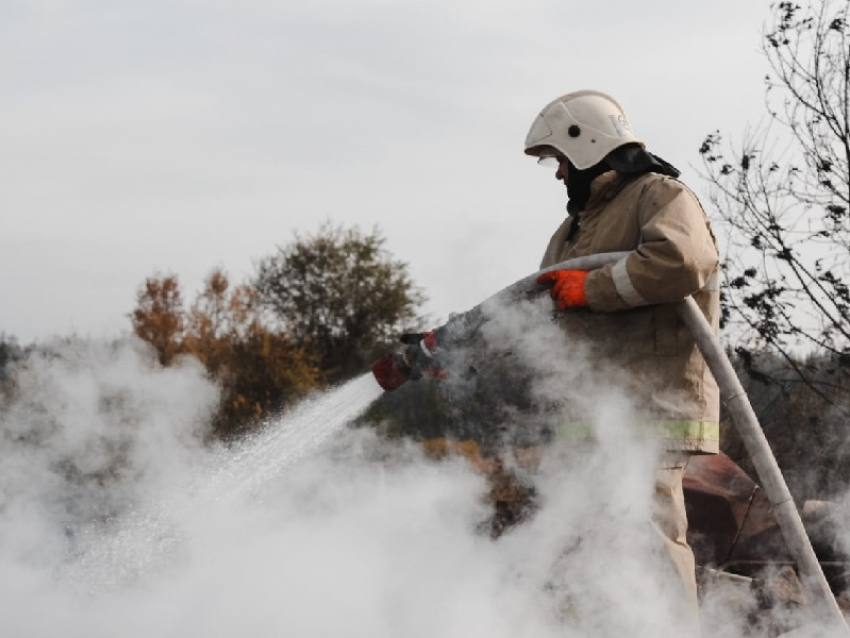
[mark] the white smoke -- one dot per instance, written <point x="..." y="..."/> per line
<point x="106" y="528"/>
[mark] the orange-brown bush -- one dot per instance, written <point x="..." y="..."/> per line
<point x="258" y="368"/>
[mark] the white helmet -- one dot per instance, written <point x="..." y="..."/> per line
<point x="585" y="126"/>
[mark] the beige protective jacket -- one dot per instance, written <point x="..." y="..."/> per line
<point x="631" y="324"/>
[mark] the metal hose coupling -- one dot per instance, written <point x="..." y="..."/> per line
<point x="393" y="370"/>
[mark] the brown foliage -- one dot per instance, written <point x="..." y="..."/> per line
<point x="320" y="310"/>
<point x="259" y="369"/>
<point x="158" y="317"/>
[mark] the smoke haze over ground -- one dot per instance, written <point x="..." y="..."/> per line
<point x="116" y="520"/>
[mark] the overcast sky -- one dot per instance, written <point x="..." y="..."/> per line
<point x="145" y="136"/>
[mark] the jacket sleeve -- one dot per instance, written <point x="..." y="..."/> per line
<point x="676" y="254"/>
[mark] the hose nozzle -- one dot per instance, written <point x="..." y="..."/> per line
<point x="391" y="372"/>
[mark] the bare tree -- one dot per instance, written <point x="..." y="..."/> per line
<point x="784" y="197"/>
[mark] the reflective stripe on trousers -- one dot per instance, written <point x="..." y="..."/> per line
<point x="685" y="430"/>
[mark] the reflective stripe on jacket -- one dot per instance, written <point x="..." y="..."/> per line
<point x="631" y="322"/>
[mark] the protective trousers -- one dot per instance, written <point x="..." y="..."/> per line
<point x="671" y="522"/>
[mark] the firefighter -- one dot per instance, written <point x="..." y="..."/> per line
<point x="623" y="198"/>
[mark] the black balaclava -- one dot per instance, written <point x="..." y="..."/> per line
<point x="578" y="184"/>
<point x="632" y="160"/>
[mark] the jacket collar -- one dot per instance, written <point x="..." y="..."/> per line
<point x="602" y="189"/>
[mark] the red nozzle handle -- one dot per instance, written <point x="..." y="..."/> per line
<point x="388" y="373"/>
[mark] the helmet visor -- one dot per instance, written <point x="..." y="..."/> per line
<point x="550" y="157"/>
<point x="549" y="161"/>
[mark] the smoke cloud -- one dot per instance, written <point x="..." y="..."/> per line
<point x="116" y="519"/>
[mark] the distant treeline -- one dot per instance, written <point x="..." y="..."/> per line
<point x="317" y="312"/>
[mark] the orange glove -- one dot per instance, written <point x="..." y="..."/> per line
<point x="568" y="288"/>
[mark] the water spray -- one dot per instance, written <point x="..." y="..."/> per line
<point x="422" y="356"/>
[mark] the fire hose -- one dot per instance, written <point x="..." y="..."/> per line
<point x="394" y="370"/>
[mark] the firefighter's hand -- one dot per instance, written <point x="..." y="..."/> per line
<point x="567" y="287"/>
<point x="426" y="340"/>
<point x="420" y="355"/>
